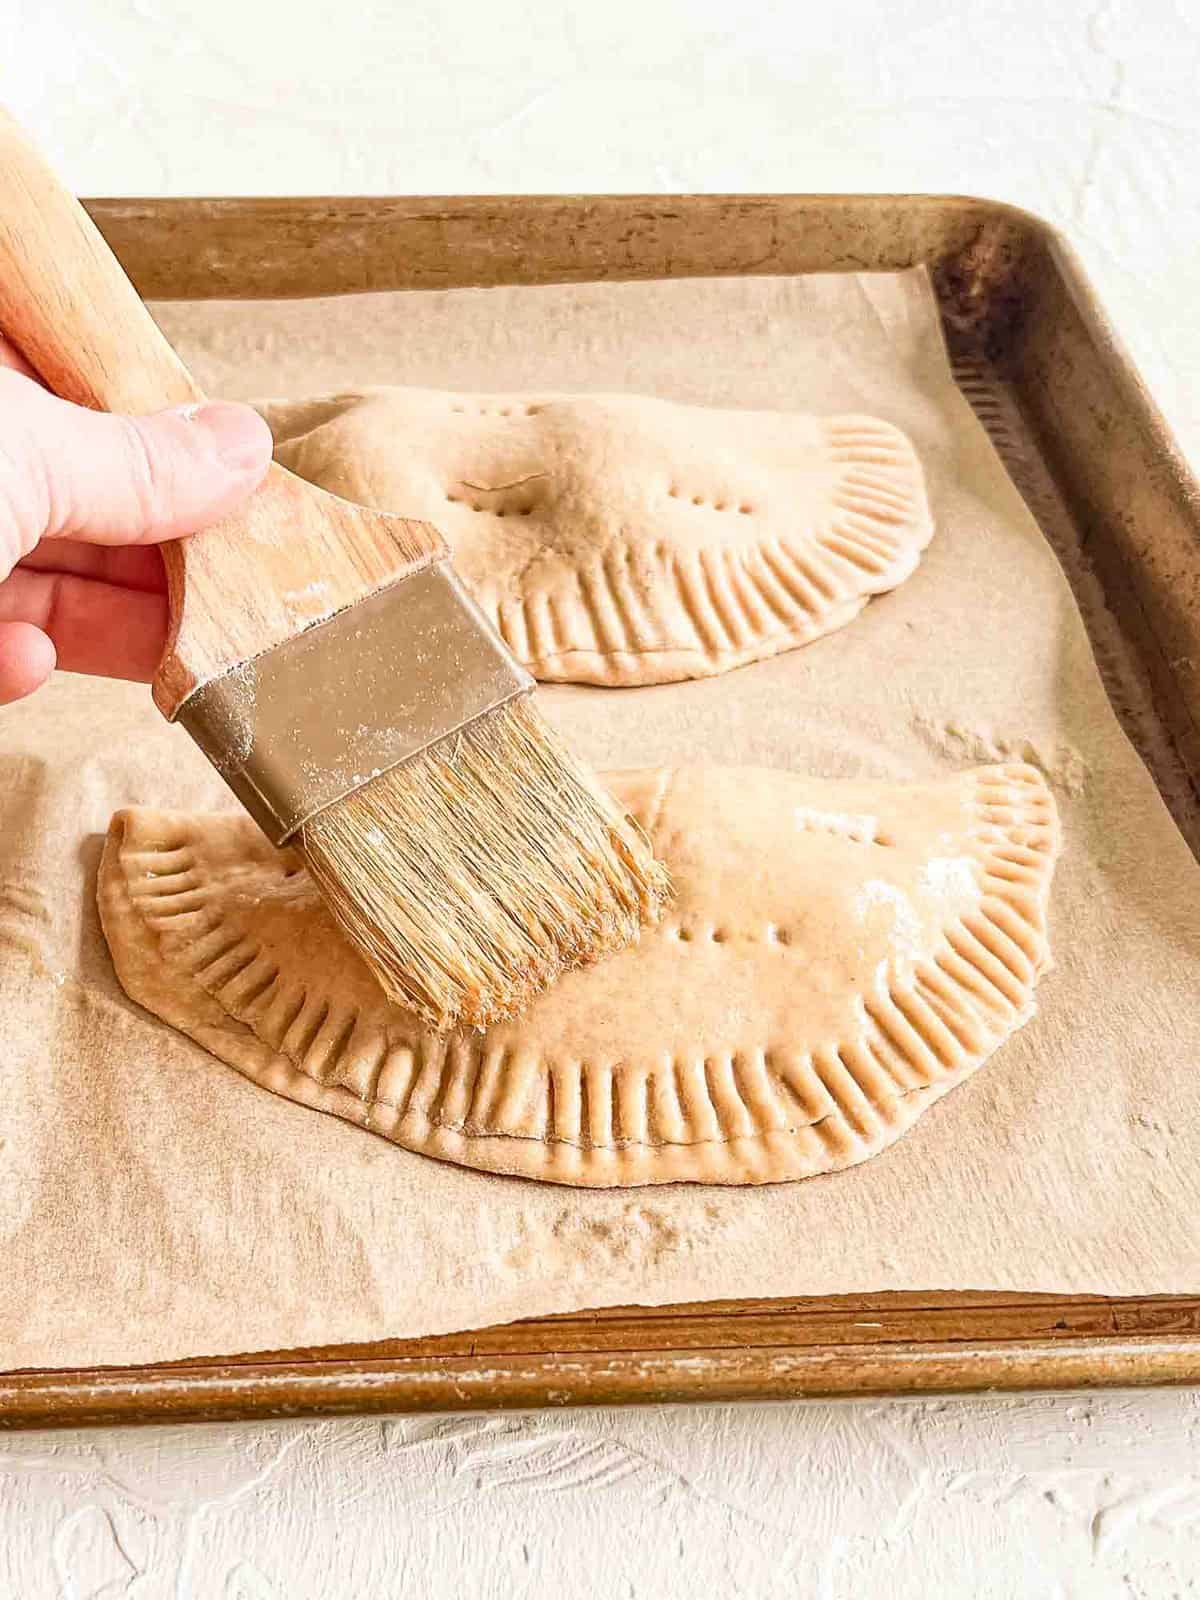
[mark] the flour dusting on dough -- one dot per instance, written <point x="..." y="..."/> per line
<point x="949" y="876"/>
<point x="905" y="936"/>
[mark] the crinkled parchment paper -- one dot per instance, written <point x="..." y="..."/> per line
<point x="157" y="1205"/>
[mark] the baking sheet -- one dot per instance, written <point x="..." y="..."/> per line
<point x="157" y="1206"/>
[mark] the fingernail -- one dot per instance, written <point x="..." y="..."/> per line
<point x="240" y="436"/>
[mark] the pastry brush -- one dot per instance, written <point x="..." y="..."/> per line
<point x="330" y="665"/>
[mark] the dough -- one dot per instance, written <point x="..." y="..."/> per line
<point x="838" y="955"/>
<point x="621" y="540"/>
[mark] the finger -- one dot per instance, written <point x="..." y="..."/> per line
<point x="26" y="660"/>
<point x="66" y="472"/>
<point x="135" y="566"/>
<point x="94" y="627"/>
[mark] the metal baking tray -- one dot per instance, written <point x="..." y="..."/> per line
<point x="1089" y="450"/>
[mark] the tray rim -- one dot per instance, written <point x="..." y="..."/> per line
<point x="1148" y="1340"/>
<point x="587" y="1361"/>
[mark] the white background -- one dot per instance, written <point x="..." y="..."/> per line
<point x="1087" y="114"/>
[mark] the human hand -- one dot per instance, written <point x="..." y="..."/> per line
<point x="84" y="498"/>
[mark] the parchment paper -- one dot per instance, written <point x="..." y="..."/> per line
<point x="155" y="1205"/>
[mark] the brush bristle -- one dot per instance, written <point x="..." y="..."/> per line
<point x="473" y="875"/>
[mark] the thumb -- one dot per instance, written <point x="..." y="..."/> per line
<point x="67" y="472"/>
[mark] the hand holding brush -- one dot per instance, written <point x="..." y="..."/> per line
<point x="85" y="497"/>
<point x="332" y="668"/>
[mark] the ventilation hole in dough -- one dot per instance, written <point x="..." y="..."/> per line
<point x="720" y="505"/>
<point x="697" y="499"/>
<point x="532" y="411"/>
<point x="455" y="498"/>
<point x="526" y="511"/>
<point x="685" y="935"/>
<point x="745" y="510"/>
<point x="458" y="408"/>
<point x="719" y="936"/>
<point x="673" y="491"/>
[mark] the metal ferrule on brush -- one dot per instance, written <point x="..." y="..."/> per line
<point x="322" y="714"/>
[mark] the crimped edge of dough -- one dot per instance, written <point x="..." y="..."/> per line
<point x="765" y="1156"/>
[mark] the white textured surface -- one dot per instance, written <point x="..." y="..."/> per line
<point x="1088" y="1498"/>
<point x="1086" y="113"/>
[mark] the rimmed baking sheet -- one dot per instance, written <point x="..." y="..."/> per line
<point x="988" y="380"/>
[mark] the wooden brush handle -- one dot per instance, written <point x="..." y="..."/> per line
<point x="292" y="555"/>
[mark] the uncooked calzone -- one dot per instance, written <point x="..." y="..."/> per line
<point x="837" y="956"/>
<point x="624" y="540"/>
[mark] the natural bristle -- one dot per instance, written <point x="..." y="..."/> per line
<point x="475" y="874"/>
